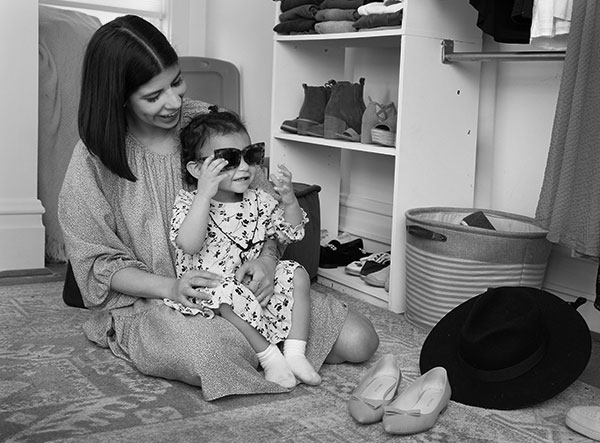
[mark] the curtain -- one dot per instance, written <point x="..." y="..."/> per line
<point x="569" y="202"/>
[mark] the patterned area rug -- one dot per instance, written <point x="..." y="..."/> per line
<point x="55" y="386"/>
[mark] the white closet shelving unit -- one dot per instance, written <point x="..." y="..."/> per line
<point x="433" y="162"/>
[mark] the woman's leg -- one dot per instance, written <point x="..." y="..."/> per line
<point x="357" y="341"/>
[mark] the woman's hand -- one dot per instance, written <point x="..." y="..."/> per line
<point x="190" y="286"/>
<point x="258" y="275"/>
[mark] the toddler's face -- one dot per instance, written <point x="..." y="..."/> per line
<point x="238" y="179"/>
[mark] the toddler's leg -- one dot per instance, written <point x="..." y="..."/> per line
<point x="270" y="357"/>
<point x="295" y="345"/>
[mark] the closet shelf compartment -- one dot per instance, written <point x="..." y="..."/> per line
<point x="338" y="144"/>
<point x="433" y="161"/>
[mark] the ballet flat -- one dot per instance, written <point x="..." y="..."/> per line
<point x="585" y="420"/>
<point x="417" y="408"/>
<point x="376" y="389"/>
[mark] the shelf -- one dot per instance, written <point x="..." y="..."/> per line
<point x="353" y="285"/>
<point x="367" y="188"/>
<point x="339" y="144"/>
<point x="382" y="37"/>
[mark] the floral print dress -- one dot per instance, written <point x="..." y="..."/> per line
<point x="236" y="234"/>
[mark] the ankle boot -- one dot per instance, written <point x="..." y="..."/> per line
<point x="312" y="112"/>
<point x="345" y="109"/>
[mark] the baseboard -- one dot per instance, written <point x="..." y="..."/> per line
<point x="16" y="273"/>
<point x="21" y="234"/>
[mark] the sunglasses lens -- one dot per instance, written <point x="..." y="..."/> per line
<point x="254" y="154"/>
<point x="232" y="155"/>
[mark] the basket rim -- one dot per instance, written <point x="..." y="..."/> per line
<point x="411" y="215"/>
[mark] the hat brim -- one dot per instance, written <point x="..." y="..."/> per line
<point x="568" y="351"/>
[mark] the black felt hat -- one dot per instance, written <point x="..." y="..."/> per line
<point x="509" y="348"/>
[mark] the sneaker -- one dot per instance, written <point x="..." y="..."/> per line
<point x="378" y="278"/>
<point x="356" y="266"/>
<point x="375" y="263"/>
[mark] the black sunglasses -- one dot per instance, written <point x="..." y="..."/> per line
<point x="253" y="155"/>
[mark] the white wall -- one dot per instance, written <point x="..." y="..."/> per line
<point x="241" y="32"/>
<point x="21" y="230"/>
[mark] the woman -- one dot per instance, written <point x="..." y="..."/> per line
<point x="115" y="210"/>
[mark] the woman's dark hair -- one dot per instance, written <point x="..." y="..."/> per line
<point x="201" y="128"/>
<point x="121" y="56"/>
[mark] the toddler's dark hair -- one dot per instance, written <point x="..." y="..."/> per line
<point x="202" y="127"/>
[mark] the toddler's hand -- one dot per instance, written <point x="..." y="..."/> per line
<point x="209" y="176"/>
<point x="282" y="183"/>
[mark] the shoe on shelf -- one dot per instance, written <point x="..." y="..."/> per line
<point x="417" y="408"/>
<point x="378" y="278"/>
<point x="376" y="262"/>
<point x="585" y="420"/>
<point x="376" y="389"/>
<point x="340" y="254"/>
<point x="312" y="112"/>
<point x="373" y="115"/>
<point x="384" y="132"/>
<point x="297" y="125"/>
<point x="356" y="266"/>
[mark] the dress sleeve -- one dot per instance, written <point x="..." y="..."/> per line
<point x="94" y="247"/>
<point x="277" y="227"/>
<point x="180" y="209"/>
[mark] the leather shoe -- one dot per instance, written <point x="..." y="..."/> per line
<point x="585" y="420"/>
<point x="417" y="408"/>
<point x="376" y="389"/>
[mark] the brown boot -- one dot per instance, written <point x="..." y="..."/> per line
<point x="344" y="109"/>
<point x="312" y="112"/>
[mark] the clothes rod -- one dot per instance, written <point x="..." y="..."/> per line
<point x="449" y="56"/>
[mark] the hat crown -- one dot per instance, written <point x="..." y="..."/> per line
<point x="503" y="336"/>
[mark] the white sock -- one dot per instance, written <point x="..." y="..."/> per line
<point x="276" y="367"/>
<point x="293" y="350"/>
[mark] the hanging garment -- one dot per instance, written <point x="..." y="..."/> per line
<point x="508" y="21"/>
<point x="569" y="203"/>
<point x="550" y="23"/>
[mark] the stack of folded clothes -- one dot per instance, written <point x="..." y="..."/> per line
<point x="337" y="16"/>
<point x="334" y="16"/>
<point x="379" y="14"/>
<point x="297" y="17"/>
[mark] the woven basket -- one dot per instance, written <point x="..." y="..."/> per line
<point x="383" y="137"/>
<point x="448" y="263"/>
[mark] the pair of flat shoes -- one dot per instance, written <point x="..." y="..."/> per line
<point x="416" y="409"/>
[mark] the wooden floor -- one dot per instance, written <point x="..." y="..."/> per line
<point x="56" y="272"/>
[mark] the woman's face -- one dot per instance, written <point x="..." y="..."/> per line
<point x="158" y="103"/>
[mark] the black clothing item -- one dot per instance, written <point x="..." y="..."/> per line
<point x="508" y="21"/>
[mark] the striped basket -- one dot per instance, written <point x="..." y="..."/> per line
<point x="448" y="263"/>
